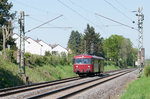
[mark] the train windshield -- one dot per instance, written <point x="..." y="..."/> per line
<point x="82" y="61"/>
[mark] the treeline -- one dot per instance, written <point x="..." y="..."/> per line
<point x="116" y="49"/>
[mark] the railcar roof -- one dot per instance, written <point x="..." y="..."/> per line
<point x="88" y="56"/>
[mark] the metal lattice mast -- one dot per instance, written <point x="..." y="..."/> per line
<point x="140" y="28"/>
<point x="141" y="56"/>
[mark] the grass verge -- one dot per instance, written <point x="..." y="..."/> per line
<point x="9" y="76"/>
<point x="111" y="67"/>
<point x="139" y="89"/>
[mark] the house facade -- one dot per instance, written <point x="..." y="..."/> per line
<point x="45" y="47"/>
<point x="59" y="49"/>
<point x="38" y="47"/>
<point x="33" y="47"/>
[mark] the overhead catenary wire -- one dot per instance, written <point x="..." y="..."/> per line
<point x="88" y="11"/>
<point x="35" y="8"/>
<point x="123" y="6"/>
<point x="58" y="27"/>
<point x="43" y="24"/>
<point x="101" y="26"/>
<point x="118" y="10"/>
<point x="37" y="20"/>
<point x="76" y="12"/>
<point x="26" y="5"/>
<point x="116" y="21"/>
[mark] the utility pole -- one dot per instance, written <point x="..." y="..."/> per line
<point x="92" y="48"/>
<point x="22" y="44"/>
<point x="85" y="52"/>
<point x="107" y="56"/>
<point x="141" y="50"/>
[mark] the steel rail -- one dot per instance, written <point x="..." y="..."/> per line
<point x="35" y="84"/>
<point x="14" y="90"/>
<point x="24" y="88"/>
<point x="72" y="86"/>
<point x="89" y="87"/>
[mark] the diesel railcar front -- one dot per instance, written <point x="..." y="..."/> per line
<point x="88" y="65"/>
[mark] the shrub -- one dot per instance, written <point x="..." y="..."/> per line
<point x="147" y="71"/>
<point x="28" y="58"/>
<point x="45" y="60"/>
<point x="10" y="55"/>
<point x="47" y="53"/>
<point x="39" y="60"/>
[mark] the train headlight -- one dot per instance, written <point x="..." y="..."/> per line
<point x="88" y="70"/>
<point x="76" y="66"/>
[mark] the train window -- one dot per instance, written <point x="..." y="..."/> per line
<point x="86" y="61"/>
<point x="78" y="61"/>
<point x="82" y="61"/>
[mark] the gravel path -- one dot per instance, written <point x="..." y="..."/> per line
<point x="110" y="90"/>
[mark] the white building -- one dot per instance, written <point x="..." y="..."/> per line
<point x="31" y="45"/>
<point x="38" y="47"/>
<point x="45" y="47"/>
<point x="17" y="40"/>
<point x="59" y="49"/>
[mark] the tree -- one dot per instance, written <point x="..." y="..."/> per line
<point x="120" y="50"/>
<point x="112" y="47"/>
<point x="125" y="51"/>
<point x="92" y="39"/>
<point x="5" y="17"/>
<point x="74" y="42"/>
<point x="128" y="53"/>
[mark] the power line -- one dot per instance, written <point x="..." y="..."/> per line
<point x="118" y="10"/>
<point x="110" y="25"/>
<point x="35" y="19"/>
<point x="76" y="12"/>
<point x="88" y="11"/>
<point x="32" y="7"/>
<point x="58" y="27"/>
<point x="48" y="27"/>
<point x="43" y="24"/>
<point x="123" y="6"/>
<point x="116" y="21"/>
<point x="26" y="5"/>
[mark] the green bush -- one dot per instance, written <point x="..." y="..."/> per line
<point x="47" y="53"/>
<point x="10" y="55"/>
<point x="27" y="58"/>
<point x="54" y="60"/>
<point x="39" y="60"/>
<point x="147" y="71"/>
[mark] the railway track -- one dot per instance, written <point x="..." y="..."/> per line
<point x="72" y="90"/>
<point x="24" y="88"/>
<point x="62" y="88"/>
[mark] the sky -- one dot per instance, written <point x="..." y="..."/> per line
<point x="77" y="14"/>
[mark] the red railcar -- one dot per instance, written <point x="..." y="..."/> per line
<point x="87" y="64"/>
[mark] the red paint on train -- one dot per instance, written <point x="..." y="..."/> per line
<point x="87" y="64"/>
